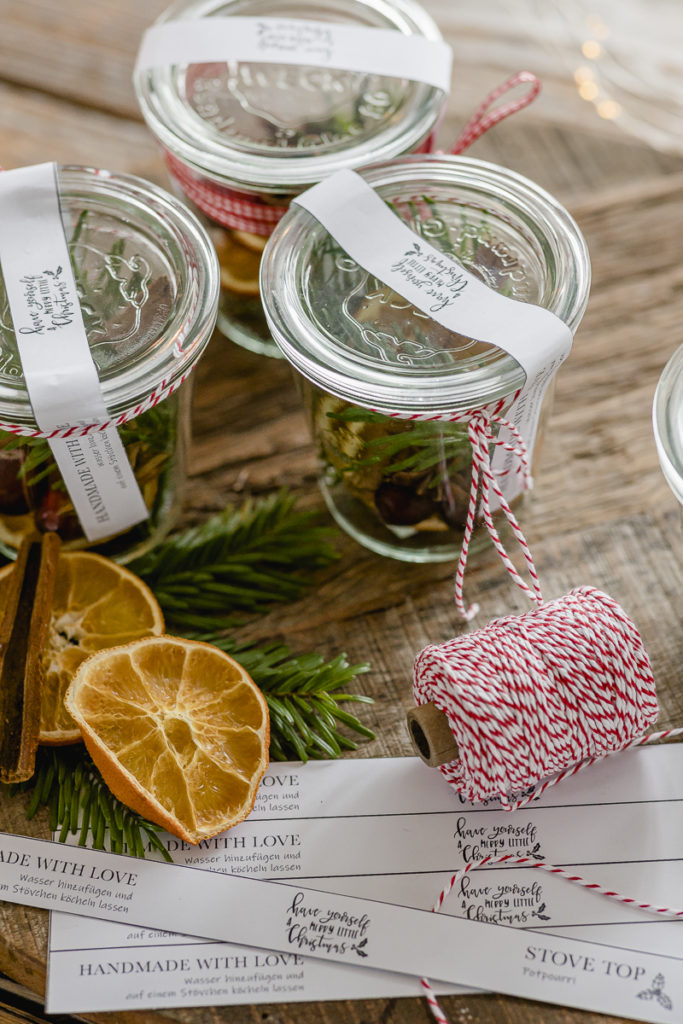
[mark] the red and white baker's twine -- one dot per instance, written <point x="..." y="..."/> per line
<point x="160" y="393"/>
<point x="480" y="427"/>
<point x="537" y="695"/>
<point x="242" y="211"/>
<point x="531" y="862"/>
<point x="534" y="699"/>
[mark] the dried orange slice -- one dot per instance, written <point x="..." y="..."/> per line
<point x="96" y="604"/>
<point x="178" y="730"/>
<point x="256" y="243"/>
<point x="239" y="265"/>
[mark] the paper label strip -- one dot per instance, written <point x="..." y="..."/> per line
<point x="435" y="283"/>
<point x="344" y="929"/>
<point x="321" y="44"/>
<point x="60" y="375"/>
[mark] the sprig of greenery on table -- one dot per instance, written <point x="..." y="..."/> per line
<point x="303" y="694"/>
<point x="230" y="565"/>
<point x="239" y="562"/>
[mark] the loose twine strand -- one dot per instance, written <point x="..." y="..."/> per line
<point x="480" y="428"/>
<point x="531" y="862"/>
<point x="555" y="690"/>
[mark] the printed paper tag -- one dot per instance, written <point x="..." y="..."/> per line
<point x="343" y="929"/>
<point x="322" y="44"/>
<point x="393" y="830"/>
<point x="61" y="378"/>
<point x="435" y="283"/>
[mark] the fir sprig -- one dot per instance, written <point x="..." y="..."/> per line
<point x="79" y="802"/>
<point x="239" y="561"/>
<point x="260" y="554"/>
<point x="420" y="448"/>
<point x="303" y="694"/>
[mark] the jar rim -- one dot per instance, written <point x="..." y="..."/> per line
<point x="167" y="351"/>
<point x="388" y="386"/>
<point x="280" y="170"/>
<point x="667" y="421"/>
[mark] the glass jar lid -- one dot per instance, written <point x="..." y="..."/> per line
<point x="280" y="128"/>
<point x="667" y="418"/>
<point x="147" y="279"/>
<point x="354" y="337"/>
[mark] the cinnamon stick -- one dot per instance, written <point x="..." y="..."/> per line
<point x="23" y="635"/>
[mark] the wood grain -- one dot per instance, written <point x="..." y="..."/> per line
<point x="600" y="512"/>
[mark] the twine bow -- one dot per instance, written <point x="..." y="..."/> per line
<point x="480" y="429"/>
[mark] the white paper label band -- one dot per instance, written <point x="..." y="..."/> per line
<point x="435" y="283"/>
<point x="293" y="41"/>
<point x="60" y="375"/>
<point x="344" y="929"/>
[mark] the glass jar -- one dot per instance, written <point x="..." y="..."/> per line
<point x="242" y="139"/>
<point x="147" y="280"/>
<point x="667" y="419"/>
<point x="401" y="487"/>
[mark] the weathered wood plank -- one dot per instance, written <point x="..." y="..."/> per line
<point x="601" y="512"/>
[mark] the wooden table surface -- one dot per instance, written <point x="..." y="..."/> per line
<point x="601" y="513"/>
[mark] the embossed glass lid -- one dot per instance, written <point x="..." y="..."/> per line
<point x="147" y="279"/>
<point x="280" y="127"/>
<point x="356" y="338"/>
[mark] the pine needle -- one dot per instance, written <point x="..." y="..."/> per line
<point x="79" y="801"/>
<point x="303" y="695"/>
<point x="239" y="561"/>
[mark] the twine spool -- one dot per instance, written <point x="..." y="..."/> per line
<point x="536" y="695"/>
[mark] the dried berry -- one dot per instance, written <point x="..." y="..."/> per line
<point x="56" y="514"/>
<point x="402" y="506"/>
<point x="12" y="492"/>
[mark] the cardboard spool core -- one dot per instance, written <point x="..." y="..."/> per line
<point x="431" y="735"/>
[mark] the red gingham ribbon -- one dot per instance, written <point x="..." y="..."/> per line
<point x="485" y="118"/>
<point x="230" y="208"/>
<point x="242" y="211"/>
<point x="226" y="206"/>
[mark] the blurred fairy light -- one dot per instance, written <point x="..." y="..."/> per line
<point x="588" y="91"/>
<point x="597" y="27"/>
<point x="584" y="75"/>
<point x="591" y="49"/>
<point x="626" y="61"/>
<point x="609" y="109"/>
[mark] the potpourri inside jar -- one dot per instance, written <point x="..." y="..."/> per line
<point x="147" y="283"/>
<point x="241" y="139"/>
<point x="402" y="487"/>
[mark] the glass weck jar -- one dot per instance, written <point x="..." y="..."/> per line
<point x="368" y="360"/>
<point x="667" y="418"/>
<point x="241" y="138"/>
<point x="146" y="278"/>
